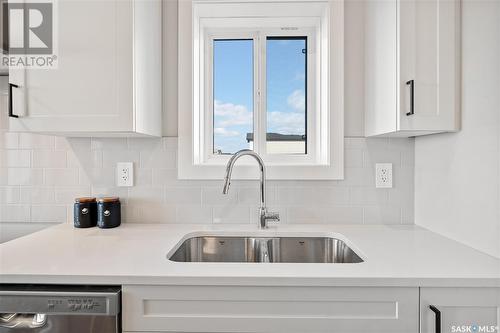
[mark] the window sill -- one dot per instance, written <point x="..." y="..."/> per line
<point x="247" y="169"/>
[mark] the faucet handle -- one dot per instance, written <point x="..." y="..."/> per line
<point x="273" y="216"/>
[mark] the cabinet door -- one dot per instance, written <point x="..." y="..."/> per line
<point x="459" y="310"/>
<point x="4" y="100"/>
<point x="429" y="59"/>
<point x="269" y="309"/>
<point x="92" y="87"/>
<point x="380" y="67"/>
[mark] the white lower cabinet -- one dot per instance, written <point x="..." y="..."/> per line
<point x="453" y="310"/>
<point x="269" y="309"/>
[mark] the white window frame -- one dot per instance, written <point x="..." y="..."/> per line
<point x="322" y="23"/>
<point x="259" y="37"/>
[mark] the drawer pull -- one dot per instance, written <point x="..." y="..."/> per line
<point x="411" y="83"/>
<point x="11" y="111"/>
<point x="438" y="317"/>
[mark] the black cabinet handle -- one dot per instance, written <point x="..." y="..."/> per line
<point x="438" y="317"/>
<point x="411" y="83"/>
<point x="11" y="111"/>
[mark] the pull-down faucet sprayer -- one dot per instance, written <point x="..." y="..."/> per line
<point x="265" y="216"/>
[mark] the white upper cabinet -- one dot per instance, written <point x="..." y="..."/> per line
<point x="412" y="67"/>
<point x="108" y="78"/>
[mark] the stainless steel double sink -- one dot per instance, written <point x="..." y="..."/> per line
<point x="264" y="250"/>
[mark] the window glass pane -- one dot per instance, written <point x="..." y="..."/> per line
<point x="286" y="95"/>
<point x="233" y="94"/>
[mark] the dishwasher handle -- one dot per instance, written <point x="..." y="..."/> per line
<point x="17" y="320"/>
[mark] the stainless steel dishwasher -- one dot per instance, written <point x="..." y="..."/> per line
<point x="59" y="309"/>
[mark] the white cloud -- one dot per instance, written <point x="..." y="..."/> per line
<point x="229" y="114"/>
<point x="286" y="122"/>
<point x="297" y="100"/>
<point x="221" y="131"/>
<point x="299" y="76"/>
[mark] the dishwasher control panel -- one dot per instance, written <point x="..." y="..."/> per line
<point x="77" y="304"/>
<point x="49" y="300"/>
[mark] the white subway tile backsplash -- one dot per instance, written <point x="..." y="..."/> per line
<point x="49" y="214"/>
<point x="164" y="176"/>
<point x="41" y="175"/>
<point x="194" y="214"/>
<point x="251" y="195"/>
<point x="101" y="177"/>
<point x="85" y="159"/>
<point x="76" y="144"/>
<point x="325" y="214"/>
<point x="37" y="195"/>
<point x="9" y="195"/>
<point x="61" y="143"/>
<point x="49" y="159"/>
<point x="313" y="195"/>
<point x="61" y="177"/>
<point x="21" y="176"/>
<point x="67" y="196"/>
<point x="368" y="196"/>
<point x="158" y="159"/>
<point x="359" y="177"/>
<point x="371" y="157"/>
<point x="170" y="143"/>
<point x="15" y="158"/>
<point x="36" y="141"/>
<point x="109" y="144"/>
<point x="9" y="140"/>
<point x="112" y="157"/>
<point x="382" y="215"/>
<point x="353" y="158"/>
<point x="140" y="195"/>
<point x="183" y="195"/>
<point x="14" y="213"/>
<point x="213" y="196"/>
<point x="231" y="214"/>
<point x="145" y="144"/>
<point x="111" y="191"/>
<point x="143" y="177"/>
<point x="155" y="213"/>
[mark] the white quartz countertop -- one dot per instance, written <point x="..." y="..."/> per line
<point x="137" y="254"/>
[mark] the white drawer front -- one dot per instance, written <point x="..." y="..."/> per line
<point x="269" y="309"/>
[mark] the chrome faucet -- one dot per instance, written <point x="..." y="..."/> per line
<point x="265" y="216"/>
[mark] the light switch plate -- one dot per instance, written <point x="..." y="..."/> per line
<point x="125" y="174"/>
<point x="383" y="175"/>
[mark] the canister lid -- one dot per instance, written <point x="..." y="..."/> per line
<point x="109" y="199"/>
<point x="85" y="200"/>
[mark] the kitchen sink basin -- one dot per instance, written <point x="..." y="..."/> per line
<point x="265" y="250"/>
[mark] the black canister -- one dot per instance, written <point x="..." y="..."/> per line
<point x="108" y="213"/>
<point x="85" y="213"/>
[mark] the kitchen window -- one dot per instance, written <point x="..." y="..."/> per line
<point x="259" y="85"/>
<point x="263" y="76"/>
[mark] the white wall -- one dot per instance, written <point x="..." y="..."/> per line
<point x="457" y="182"/>
<point x="354" y="70"/>
<point x="40" y="175"/>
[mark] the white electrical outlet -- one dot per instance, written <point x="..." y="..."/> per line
<point x="383" y="175"/>
<point x="125" y="174"/>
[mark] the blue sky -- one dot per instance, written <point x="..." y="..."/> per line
<point x="233" y="90"/>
